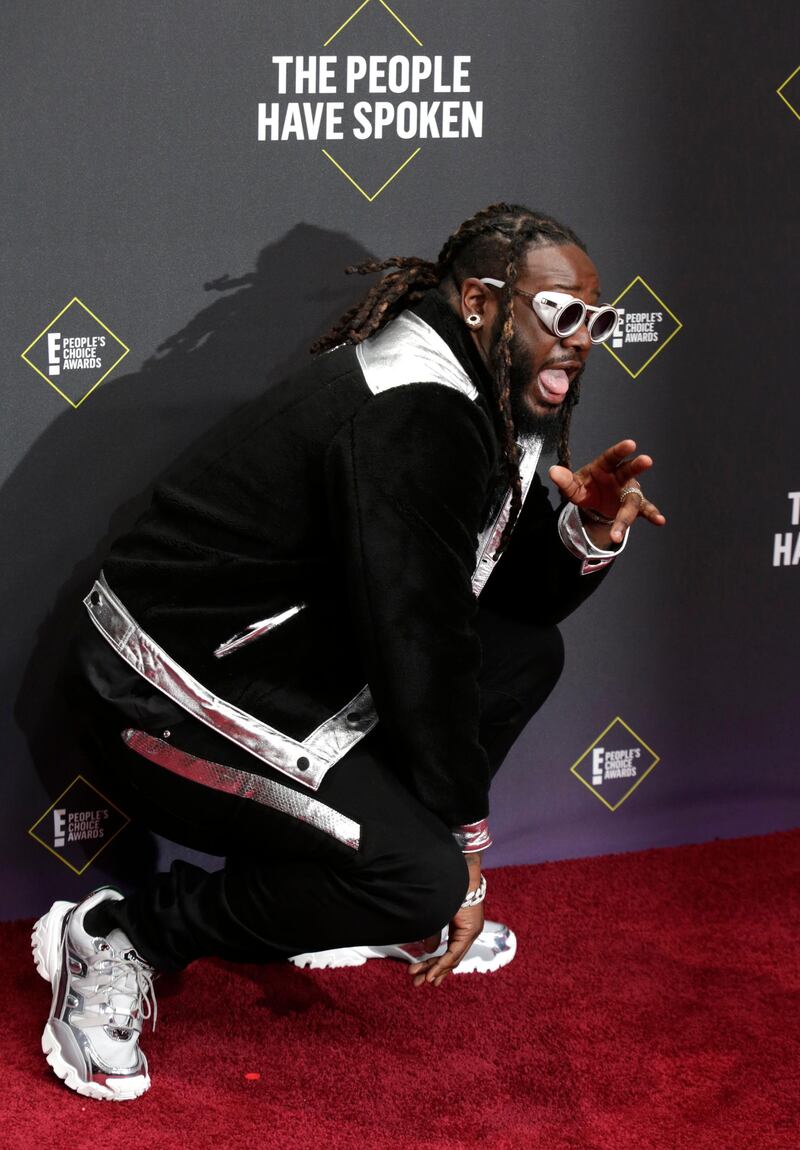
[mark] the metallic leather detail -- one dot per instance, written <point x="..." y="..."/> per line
<point x="472" y="837"/>
<point x="144" y="655"/>
<point x="246" y="785"/>
<point x="408" y="350"/>
<point x="256" y="630"/>
<point x="578" y="543"/>
<point x="306" y="762"/>
<point x="334" y="737"/>
<point x="589" y="566"/>
<point x="489" y="539"/>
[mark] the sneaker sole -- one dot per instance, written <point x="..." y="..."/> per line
<point x="479" y="966"/>
<point x="46" y="938"/>
<point x="336" y="959"/>
<point x="358" y="955"/>
<point x="116" y="1089"/>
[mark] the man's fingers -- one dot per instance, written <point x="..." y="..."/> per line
<point x="434" y="970"/>
<point x="568" y="483"/>
<point x="631" y="468"/>
<point x="612" y="457"/>
<point x="631" y="508"/>
<point x="628" y="511"/>
<point x="650" y="512"/>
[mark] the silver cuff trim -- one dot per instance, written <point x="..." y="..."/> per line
<point x="245" y="785"/>
<point x="473" y="837"/>
<point x="578" y="543"/>
<point x="256" y="630"/>
<point x="307" y="762"/>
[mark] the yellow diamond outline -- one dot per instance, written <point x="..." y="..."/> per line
<point x="105" y="798"/>
<point x="44" y="331"/>
<point x="370" y="198"/>
<point x="779" y="92"/>
<point x="629" y="792"/>
<point x="363" y="5"/>
<point x="670" y="313"/>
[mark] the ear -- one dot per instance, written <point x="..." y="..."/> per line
<point x="478" y="299"/>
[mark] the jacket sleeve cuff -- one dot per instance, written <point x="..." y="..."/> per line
<point x="578" y="543"/>
<point x="473" y="837"/>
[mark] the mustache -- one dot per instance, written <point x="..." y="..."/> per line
<point x="563" y="359"/>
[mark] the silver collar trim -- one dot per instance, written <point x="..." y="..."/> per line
<point x="408" y="350"/>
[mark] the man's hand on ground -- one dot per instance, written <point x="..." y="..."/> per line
<point x="598" y="486"/>
<point x="467" y="924"/>
<point x="464" y="929"/>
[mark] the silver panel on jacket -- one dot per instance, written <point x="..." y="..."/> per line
<point x="307" y="761"/>
<point x="530" y="448"/>
<point x="246" y="785"/>
<point x="408" y="350"/>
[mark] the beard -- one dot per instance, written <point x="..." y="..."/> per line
<point x="545" y="424"/>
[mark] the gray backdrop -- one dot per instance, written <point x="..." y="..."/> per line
<point x="133" y="179"/>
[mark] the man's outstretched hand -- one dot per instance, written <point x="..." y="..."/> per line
<point x="598" y="487"/>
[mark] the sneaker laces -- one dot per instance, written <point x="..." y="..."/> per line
<point x="127" y="976"/>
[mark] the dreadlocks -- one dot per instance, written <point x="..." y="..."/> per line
<point x="493" y="242"/>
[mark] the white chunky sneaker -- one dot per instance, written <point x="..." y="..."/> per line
<point x="494" y="947"/>
<point x="102" y="992"/>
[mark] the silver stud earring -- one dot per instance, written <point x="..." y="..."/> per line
<point x="474" y="320"/>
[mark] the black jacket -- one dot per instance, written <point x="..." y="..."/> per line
<point x="364" y="507"/>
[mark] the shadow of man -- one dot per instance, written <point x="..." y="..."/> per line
<point x="90" y="475"/>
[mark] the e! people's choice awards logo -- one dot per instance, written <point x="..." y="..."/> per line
<point x="614" y="765"/>
<point x="370" y="112"/>
<point x="75" y="352"/>
<point x="786" y="545"/>
<point x="80" y="823"/>
<point x="644" y="328"/>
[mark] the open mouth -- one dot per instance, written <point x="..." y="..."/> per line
<point x="553" y="384"/>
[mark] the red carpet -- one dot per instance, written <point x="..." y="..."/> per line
<point x="653" y="1005"/>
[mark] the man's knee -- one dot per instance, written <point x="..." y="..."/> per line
<point x="428" y="888"/>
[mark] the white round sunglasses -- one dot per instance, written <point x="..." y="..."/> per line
<point x="563" y="314"/>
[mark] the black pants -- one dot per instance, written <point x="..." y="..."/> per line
<point x="287" y="887"/>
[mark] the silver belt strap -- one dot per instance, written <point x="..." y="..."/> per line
<point x="246" y="785"/>
<point x="306" y="761"/>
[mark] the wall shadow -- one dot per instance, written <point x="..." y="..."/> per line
<point x="90" y="475"/>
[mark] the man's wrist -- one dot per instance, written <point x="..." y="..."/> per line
<point x="576" y="536"/>
<point x="475" y="895"/>
<point x="473" y="862"/>
<point x="598" y="533"/>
